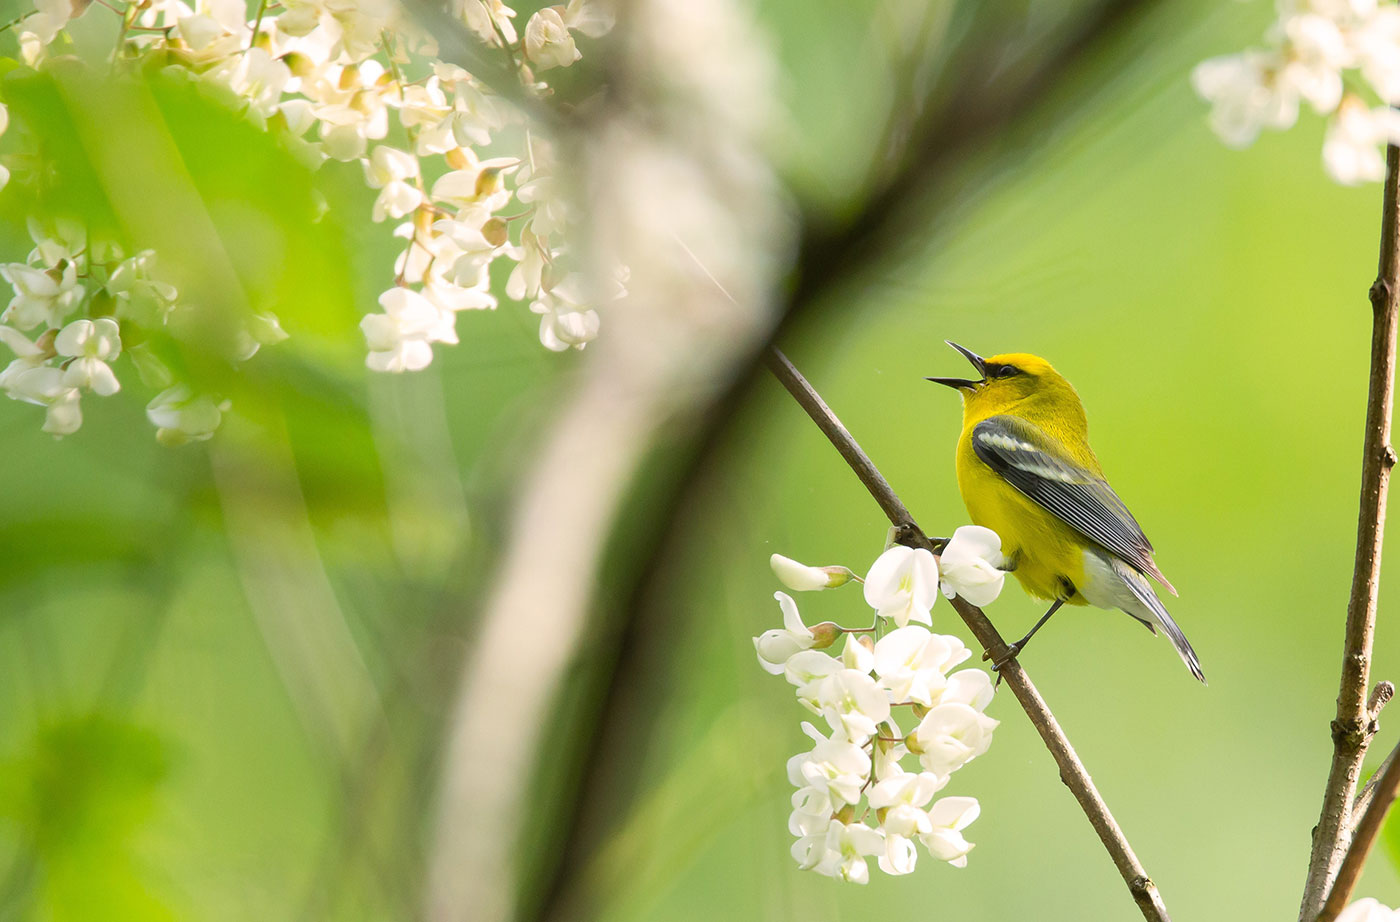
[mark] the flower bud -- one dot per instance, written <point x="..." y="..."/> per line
<point x="494" y="230"/>
<point x="299" y="64"/>
<point x="488" y="181"/>
<point x="803" y="578"/>
<point x="797" y="576"/>
<point x="825" y="634"/>
<point x="837" y="576"/>
<point x="457" y="159"/>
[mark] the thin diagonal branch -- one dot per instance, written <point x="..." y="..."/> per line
<point x="1352" y="728"/>
<point x="1072" y="771"/>
<point x="1383" y="793"/>
<point x="997" y="85"/>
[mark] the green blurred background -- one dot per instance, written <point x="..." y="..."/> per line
<point x="190" y="639"/>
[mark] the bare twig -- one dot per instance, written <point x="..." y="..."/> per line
<point x="1380" y="697"/>
<point x="1072" y="771"/>
<point x="1368" y="789"/>
<point x="1351" y="730"/>
<point x="1383" y="792"/>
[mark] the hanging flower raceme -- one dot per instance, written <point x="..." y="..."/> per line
<point x="855" y="797"/>
<point x="1313" y="50"/>
<point x="346" y="82"/>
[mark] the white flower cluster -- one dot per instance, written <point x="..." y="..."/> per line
<point x="73" y="298"/>
<point x="854" y="771"/>
<point x="358" y="81"/>
<point x="1342" y="57"/>
<point x="1369" y="909"/>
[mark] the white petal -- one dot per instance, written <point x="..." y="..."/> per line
<point x="797" y="576"/>
<point x="792" y="620"/>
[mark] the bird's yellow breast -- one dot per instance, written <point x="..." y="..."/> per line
<point x="1048" y="554"/>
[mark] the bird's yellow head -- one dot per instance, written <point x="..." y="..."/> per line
<point x="1012" y="382"/>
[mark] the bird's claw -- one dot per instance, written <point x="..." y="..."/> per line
<point x="1007" y="656"/>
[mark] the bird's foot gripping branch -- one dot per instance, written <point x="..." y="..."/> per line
<point x="889" y="674"/>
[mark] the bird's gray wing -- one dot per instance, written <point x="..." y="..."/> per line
<point x="1021" y="453"/>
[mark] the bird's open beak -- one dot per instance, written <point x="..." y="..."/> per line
<point x="977" y="363"/>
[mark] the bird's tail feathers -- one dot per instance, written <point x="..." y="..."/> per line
<point x="1142" y="591"/>
<point x="1157" y="574"/>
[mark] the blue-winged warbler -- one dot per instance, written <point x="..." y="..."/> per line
<point x="1026" y="471"/>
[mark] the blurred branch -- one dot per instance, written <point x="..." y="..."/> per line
<point x="678" y="161"/>
<point x="991" y="91"/>
<point x="1072" y="771"/>
<point x="1383" y="790"/>
<point x="1353" y="726"/>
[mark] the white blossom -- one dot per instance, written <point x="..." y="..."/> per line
<point x="593" y="18"/>
<point x="903" y="584"/>
<point x="258" y="78"/>
<point x="852" y="704"/>
<point x="775" y="647"/>
<point x="857" y="770"/>
<point x="138" y="295"/>
<point x="181" y="416"/>
<point x="847" y="847"/>
<point x="42" y="296"/>
<point x="564" y="327"/>
<point x="1368" y="909"/>
<point x="28" y="355"/>
<point x="530" y="259"/>
<point x="1352" y="149"/>
<point x="90" y="346"/>
<point x="835" y="764"/>
<point x="903" y="798"/>
<point x="489" y="19"/>
<point x="951" y="735"/>
<point x="1318" y="51"/>
<point x="390" y="170"/>
<point x="911" y="664"/>
<point x="1313" y="50"/>
<point x="400" y="338"/>
<point x="970" y="565"/>
<point x="64" y="415"/>
<point x="949" y="816"/>
<point x="548" y="42"/>
<point x="49" y="17"/>
<point x="1377" y="48"/>
<point x="39" y="384"/>
<point x="1247" y="93"/>
<point x="806" y="670"/>
<point x="971" y="687"/>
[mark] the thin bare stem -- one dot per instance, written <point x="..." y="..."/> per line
<point x="1072" y="771"/>
<point x="1368" y="790"/>
<point x="1353" y="726"/>
<point x="1383" y="793"/>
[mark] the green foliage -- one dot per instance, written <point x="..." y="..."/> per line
<point x="77" y="798"/>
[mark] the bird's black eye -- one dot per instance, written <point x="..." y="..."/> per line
<point x="1002" y="371"/>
